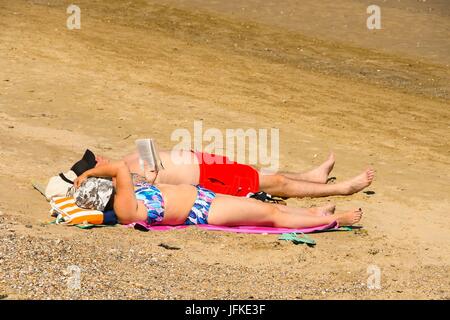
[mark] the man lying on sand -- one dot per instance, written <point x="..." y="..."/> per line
<point x="228" y="177"/>
<point x="136" y="200"/>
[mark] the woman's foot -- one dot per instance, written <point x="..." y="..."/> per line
<point x="323" y="211"/>
<point x="320" y="174"/>
<point x="349" y="218"/>
<point x="358" y="183"/>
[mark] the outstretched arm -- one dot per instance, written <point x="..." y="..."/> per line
<point x="125" y="203"/>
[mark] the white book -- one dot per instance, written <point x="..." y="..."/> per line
<point x="148" y="155"/>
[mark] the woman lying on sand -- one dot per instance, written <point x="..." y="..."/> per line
<point x="137" y="200"/>
<point x="222" y="175"/>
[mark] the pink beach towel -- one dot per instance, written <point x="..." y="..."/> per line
<point x="240" y="229"/>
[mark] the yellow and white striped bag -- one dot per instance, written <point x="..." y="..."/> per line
<point x="69" y="213"/>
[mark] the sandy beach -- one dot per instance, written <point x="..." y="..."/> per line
<point x="145" y="68"/>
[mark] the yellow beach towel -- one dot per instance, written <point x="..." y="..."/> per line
<point x="69" y="213"/>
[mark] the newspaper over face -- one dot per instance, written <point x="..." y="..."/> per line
<point x="148" y="156"/>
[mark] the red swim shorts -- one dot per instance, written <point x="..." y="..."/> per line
<point x="221" y="175"/>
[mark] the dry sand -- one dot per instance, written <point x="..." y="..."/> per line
<point x="138" y="69"/>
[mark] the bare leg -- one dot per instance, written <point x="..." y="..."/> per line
<point x="317" y="211"/>
<point x="279" y="185"/>
<point x="238" y="211"/>
<point x="319" y="174"/>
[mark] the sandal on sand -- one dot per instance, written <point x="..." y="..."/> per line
<point x="296" y="239"/>
<point x="265" y="197"/>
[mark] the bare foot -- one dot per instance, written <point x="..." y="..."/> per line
<point x="323" y="211"/>
<point x="320" y="174"/>
<point x="358" y="183"/>
<point x="349" y="218"/>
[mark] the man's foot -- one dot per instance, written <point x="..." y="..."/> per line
<point x="320" y="174"/>
<point x="349" y="218"/>
<point x="324" y="210"/>
<point x="358" y="183"/>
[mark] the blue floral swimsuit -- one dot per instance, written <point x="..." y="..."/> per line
<point x="200" y="209"/>
<point x="154" y="202"/>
